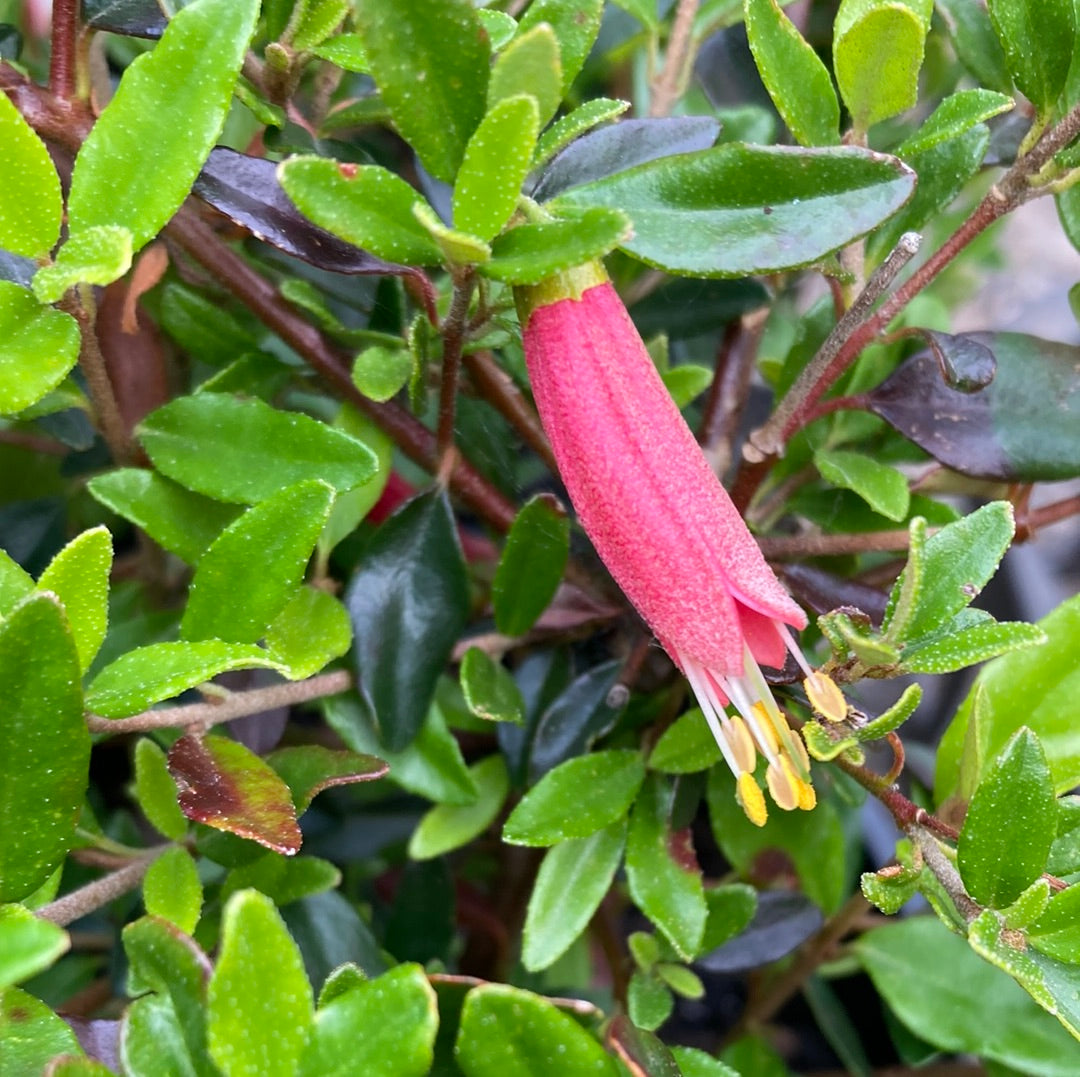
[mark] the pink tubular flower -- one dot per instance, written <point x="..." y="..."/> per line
<point x="665" y="527"/>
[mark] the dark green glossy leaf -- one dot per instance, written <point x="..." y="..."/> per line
<point x="137" y="18"/>
<point x="44" y="744"/>
<point x="573" y="879"/>
<point x="577" y="798"/>
<point x="531" y="565"/>
<point x="530" y="253"/>
<point x="1037" y="37"/>
<point x="489" y="689"/>
<point x="408" y="602"/>
<point x="797" y="80"/>
<point x="308" y="769"/>
<point x="31" y="208"/>
<point x="228" y="787"/>
<point x="576" y="24"/>
<point x="366" y="205"/>
<point x="246" y="451"/>
<point x="877" y="53"/>
<point x="496" y="162"/>
<point x="1010" y="825"/>
<point x="38" y="346"/>
<point x="145" y="150"/>
<point x="182" y="522"/>
<point x="976" y="45"/>
<point x="736" y="209"/>
<point x="259" y="1004"/>
<point x="27" y="945"/>
<point x="430" y="61"/>
<point x="662" y="872"/>
<point x="449" y="826"/>
<point x="506" y="1030"/>
<point x="147" y="675"/>
<point x="383" y="1028"/>
<point x="236" y="596"/>
<point x="929" y="976"/>
<point x="31" y="1034"/>
<point x="172" y="890"/>
<point x="731" y="909"/>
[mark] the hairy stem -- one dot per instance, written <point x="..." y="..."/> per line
<point x="668" y="86"/>
<point x="453" y="334"/>
<point x="63" y="61"/>
<point x="93" y="896"/>
<point x="237" y="705"/>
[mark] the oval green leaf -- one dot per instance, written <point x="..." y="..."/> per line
<point x="246" y="451"/>
<point x="576" y="24"/>
<point x="449" y="826"/>
<point x="530" y="65"/>
<point x="736" y="210"/>
<point x="490" y="691"/>
<point x="143" y="154"/>
<point x="156" y="791"/>
<point x="31" y="208"/>
<point x="28" y="945"/>
<point x="312" y="630"/>
<point x="172" y="890"/>
<point x="96" y="255"/>
<point x="1037" y="37"/>
<point x="38" y="346"/>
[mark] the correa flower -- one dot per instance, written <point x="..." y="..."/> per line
<point x="666" y="528"/>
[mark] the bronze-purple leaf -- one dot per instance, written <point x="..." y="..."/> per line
<point x="228" y="787"/>
<point x="1022" y="427"/>
<point x="310" y="768"/>
<point x="246" y="190"/>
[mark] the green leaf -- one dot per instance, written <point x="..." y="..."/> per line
<point x="44" y="744"/>
<point x="380" y="372"/>
<point x="38" y="346"/>
<point x="566" y="128"/>
<point x="530" y="253"/>
<point x="79" y="576"/>
<point x="247" y="451"/>
<point x="1029" y="906"/>
<point x="500" y="27"/>
<point x="731" y="908"/>
<point x="283" y="879"/>
<point x="662" y="873"/>
<point x="156" y="791"/>
<point x="456" y="247"/>
<point x="382" y="1028"/>
<point x="505" y="1030"/>
<point x="429" y="59"/>
<point x="180" y="521"/>
<point x="147" y="675"/>
<point x="308" y="769"/>
<point x="696" y="1063"/>
<point x="1036" y="688"/>
<point x="736" y="210"/>
<point x="966" y="646"/>
<point x="150" y="1034"/>
<point x="976" y="45"/>
<point x="573" y="879"/>
<point x="928" y="976"/>
<point x="1057" y="931"/>
<point x="31" y="208"/>
<point x="228" y="787"/>
<point x="449" y="826"/>
<point x="15" y="583"/>
<point x="312" y="630"/>
<point x="366" y="205"/>
<point x="431" y="766"/>
<point x="408" y="602"/>
<point x="27" y="945"/>
<point x="172" y="890"/>
<point x="497" y="160"/>
<point x="346" y="51"/>
<point x="1010" y="824"/>
<point x="97" y="255"/>
<point x="577" y="798"/>
<point x="953" y="568"/>
<point x="649" y="1001"/>
<point x="530" y="65"/>
<point x="259" y="1005"/>
<point x="889" y="889"/>
<point x="142" y="155"/>
<point x="877" y="53"/>
<point x="894" y="717"/>
<point x="882" y="487"/>
<point x="797" y="80"/>
<point x="320" y="19"/>
<point x="235" y="597"/>
<point x="489" y="689"/>
<point x="531" y="565"/>
<point x="953" y="117"/>
<point x="31" y="1034"/>
<point x="1037" y="37"/>
<point x="576" y="24"/>
<point x="686" y="382"/>
<point x="685" y="747"/>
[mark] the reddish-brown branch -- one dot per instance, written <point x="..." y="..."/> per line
<point x="453" y="334"/>
<point x="63" y="58"/>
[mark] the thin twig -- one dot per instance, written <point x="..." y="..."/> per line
<point x="668" y="86"/>
<point x="237" y="705"/>
<point x="62" y="59"/>
<point x="453" y="334"/>
<point x="87" y="899"/>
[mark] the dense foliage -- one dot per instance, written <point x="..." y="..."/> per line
<point x="327" y="743"/>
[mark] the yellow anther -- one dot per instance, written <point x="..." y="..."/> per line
<point x="807" y="796"/>
<point x="742" y="744"/>
<point x="748" y="794"/>
<point x="764" y="724"/>
<point x="802" y="764"/>
<point x="825" y="697"/>
<point x="783" y="784"/>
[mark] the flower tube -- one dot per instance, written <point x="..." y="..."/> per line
<point x="666" y="529"/>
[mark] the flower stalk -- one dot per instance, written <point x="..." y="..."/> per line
<point x="667" y="530"/>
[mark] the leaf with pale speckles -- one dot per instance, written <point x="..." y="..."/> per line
<point x="30" y="209"/>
